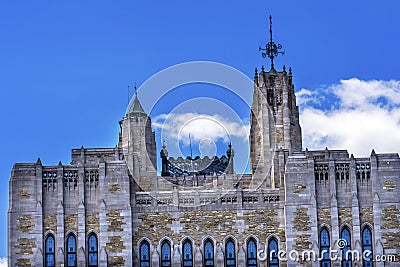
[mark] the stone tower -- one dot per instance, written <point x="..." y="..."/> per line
<point x="137" y="140"/>
<point x="274" y="115"/>
<point x="274" y="118"/>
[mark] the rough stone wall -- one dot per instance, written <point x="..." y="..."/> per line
<point x="217" y="224"/>
<point x="324" y="216"/>
<point x="24" y="216"/>
<point x="345" y="216"/>
<point x="391" y="229"/>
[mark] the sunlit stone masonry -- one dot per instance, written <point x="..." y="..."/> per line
<point x="109" y="206"/>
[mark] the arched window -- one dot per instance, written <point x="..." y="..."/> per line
<point x="230" y="257"/>
<point x="273" y="260"/>
<point x="251" y="253"/>
<point x="346" y="255"/>
<point x="208" y="254"/>
<point x="187" y="253"/>
<point x="145" y="254"/>
<point x="49" y="252"/>
<point x="367" y="246"/>
<point x="93" y="251"/>
<point x="71" y="251"/>
<point x="165" y="254"/>
<point x="324" y="248"/>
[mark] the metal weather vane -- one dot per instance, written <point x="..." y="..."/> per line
<point x="271" y="48"/>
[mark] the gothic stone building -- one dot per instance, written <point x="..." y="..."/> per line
<point x="110" y="208"/>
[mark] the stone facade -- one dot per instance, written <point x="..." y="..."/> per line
<point x="116" y="196"/>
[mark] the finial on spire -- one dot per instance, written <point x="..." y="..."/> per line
<point x="271" y="49"/>
<point x="135" y="90"/>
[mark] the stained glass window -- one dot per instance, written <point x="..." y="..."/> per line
<point x="324" y="248"/>
<point x="71" y="251"/>
<point x="230" y="257"/>
<point x="93" y="251"/>
<point x="144" y="254"/>
<point x="49" y="252"/>
<point x="165" y="254"/>
<point x="187" y="253"/>
<point x="208" y="254"/>
<point x="367" y="247"/>
<point x="346" y="255"/>
<point x="273" y="253"/>
<point x="251" y="253"/>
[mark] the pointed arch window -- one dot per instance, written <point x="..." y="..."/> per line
<point x="187" y="253"/>
<point x="71" y="251"/>
<point x="273" y="260"/>
<point x="208" y="254"/>
<point x="145" y="254"/>
<point x="230" y="257"/>
<point x="49" y="252"/>
<point x="251" y="253"/>
<point x="92" y="251"/>
<point x="324" y="248"/>
<point x="346" y="255"/>
<point x="165" y="254"/>
<point x="367" y="247"/>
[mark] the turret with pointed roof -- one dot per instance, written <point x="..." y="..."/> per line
<point x="136" y="107"/>
<point x="138" y="140"/>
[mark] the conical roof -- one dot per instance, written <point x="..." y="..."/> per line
<point x="136" y="107"/>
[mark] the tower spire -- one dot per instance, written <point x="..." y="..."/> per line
<point x="271" y="48"/>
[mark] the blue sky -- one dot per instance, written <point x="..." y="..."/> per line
<point x="65" y="66"/>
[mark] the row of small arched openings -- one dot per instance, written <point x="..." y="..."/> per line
<point x="71" y="250"/>
<point x="345" y="246"/>
<point x="209" y="252"/>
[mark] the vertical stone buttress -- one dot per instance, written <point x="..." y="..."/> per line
<point x="60" y="240"/>
<point x="274" y="119"/>
<point x="25" y="215"/>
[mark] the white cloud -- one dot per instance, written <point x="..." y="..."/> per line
<point x="200" y="126"/>
<point x="361" y="116"/>
<point x="3" y="262"/>
<point x="209" y="135"/>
